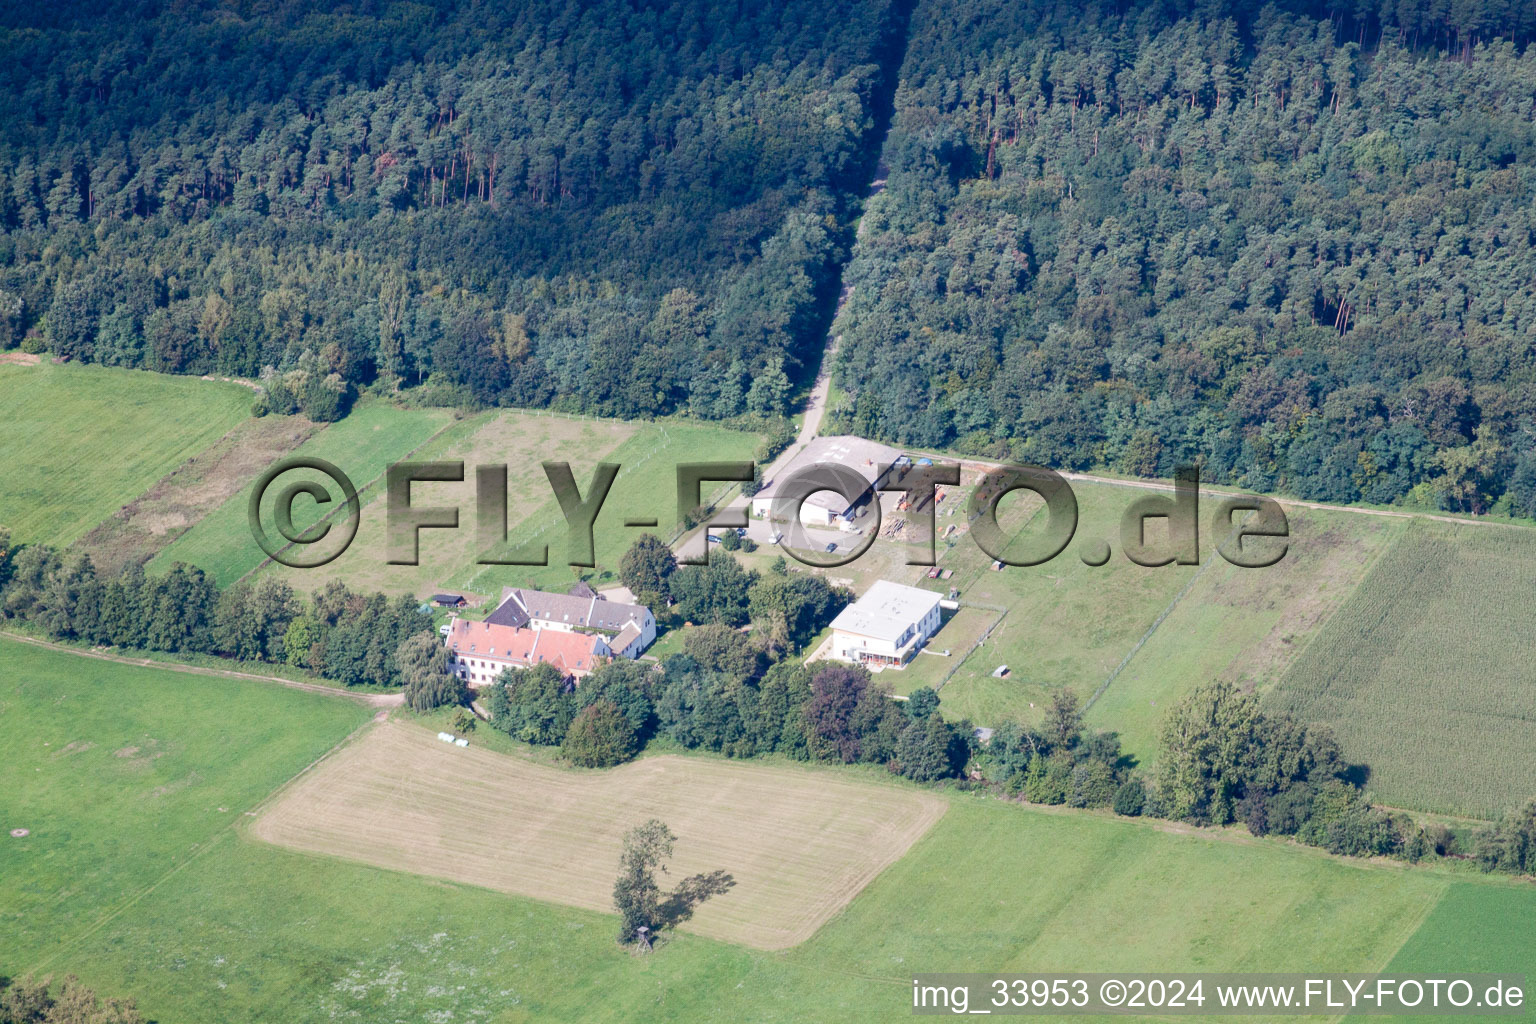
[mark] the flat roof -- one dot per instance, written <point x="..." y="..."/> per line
<point x="886" y="610"/>
<point x="862" y="455"/>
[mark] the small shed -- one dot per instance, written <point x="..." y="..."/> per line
<point x="1001" y="672"/>
<point x="449" y="600"/>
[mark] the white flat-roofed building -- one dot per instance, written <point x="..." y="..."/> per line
<point x="827" y="508"/>
<point x="885" y="627"/>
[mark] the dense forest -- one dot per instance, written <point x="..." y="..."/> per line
<point x="626" y="209"/>
<point x="1293" y="244"/>
<point x="1292" y="241"/>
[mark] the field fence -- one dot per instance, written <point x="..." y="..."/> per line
<point x="1002" y="613"/>
<point x="1162" y="616"/>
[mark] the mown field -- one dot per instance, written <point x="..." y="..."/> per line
<point x="799" y="845"/>
<point x="153" y="894"/>
<point x="80" y="441"/>
<point x="361" y="445"/>
<point x="519" y="440"/>
<point x="648" y="454"/>
<point x="1067" y="624"/>
<point x="180" y="499"/>
<point x="1425" y="672"/>
<point x="1474" y="928"/>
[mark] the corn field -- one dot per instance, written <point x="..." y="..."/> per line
<point x="1428" y="671"/>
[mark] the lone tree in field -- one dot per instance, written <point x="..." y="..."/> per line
<point x="644" y="909"/>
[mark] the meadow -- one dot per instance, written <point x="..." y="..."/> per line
<point x="519" y="440"/>
<point x="1063" y="623"/>
<point x="798" y="844"/>
<point x="371" y="437"/>
<point x="1425" y="672"/>
<point x="152" y="893"/>
<point x="80" y="441"/>
<point x="180" y="499"/>
<point x="1474" y="928"/>
<point x="647" y="453"/>
<point x="124" y="775"/>
<point x="1129" y="640"/>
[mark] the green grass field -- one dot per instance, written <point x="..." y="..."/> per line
<point x="375" y="435"/>
<point x="1067" y="624"/>
<point x="361" y="445"/>
<point x="124" y="775"/>
<point x="135" y="879"/>
<point x="1425" y="672"/>
<point x="253" y="932"/>
<point x="519" y="440"/>
<point x="1474" y="928"/>
<point x="82" y="441"/>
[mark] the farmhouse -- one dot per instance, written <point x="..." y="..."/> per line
<point x="626" y="629"/>
<point x="828" y="508"/>
<point x="482" y="649"/>
<point x="885" y="627"/>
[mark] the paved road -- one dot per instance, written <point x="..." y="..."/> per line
<point x="816" y="402"/>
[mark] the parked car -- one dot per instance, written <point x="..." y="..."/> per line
<point x="831" y="547"/>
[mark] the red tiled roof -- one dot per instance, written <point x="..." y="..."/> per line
<point x="574" y="654"/>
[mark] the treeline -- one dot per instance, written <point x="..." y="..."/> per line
<point x="1289" y="243"/>
<point x="739" y="688"/>
<point x="829" y="712"/>
<point x="1223" y="760"/>
<point x="607" y="208"/>
<point x="337" y="633"/>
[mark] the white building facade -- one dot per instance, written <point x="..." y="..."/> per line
<point x="886" y="627"/>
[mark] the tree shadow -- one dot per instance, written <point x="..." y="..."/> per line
<point x="690" y="892"/>
<point x="1356" y="775"/>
